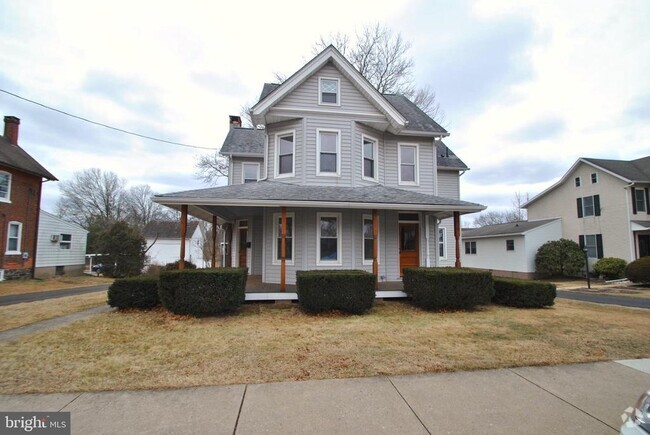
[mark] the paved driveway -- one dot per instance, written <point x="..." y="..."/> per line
<point x="40" y="296"/>
<point x="626" y="301"/>
<point x="569" y="399"/>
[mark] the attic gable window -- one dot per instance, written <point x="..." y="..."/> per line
<point x="5" y="186"/>
<point x="328" y="91"/>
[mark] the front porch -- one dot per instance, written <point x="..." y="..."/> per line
<point x="257" y="290"/>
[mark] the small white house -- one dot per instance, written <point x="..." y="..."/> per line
<point x="61" y="247"/>
<point x="508" y="249"/>
<point x="164" y="242"/>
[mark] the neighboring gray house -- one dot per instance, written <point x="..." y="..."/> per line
<point x="61" y="247"/>
<point x="508" y="249"/>
<point x="341" y="176"/>
<point x="604" y="205"/>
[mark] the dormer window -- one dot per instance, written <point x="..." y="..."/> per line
<point x="5" y="186"/>
<point x="328" y="91"/>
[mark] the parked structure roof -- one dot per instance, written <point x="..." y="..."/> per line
<point x="507" y="229"/>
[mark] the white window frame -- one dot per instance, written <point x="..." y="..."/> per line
<point x="584" y="206"/>
<point x="375" y="150"/>
<point x="276" y="218"/>
<point x="10" y="177"/>
<point x="642" y="202"/>
<point x="278" y="136"/>
<point x="320" y="93"/>
<point x="363" y="242"/>
<point x="243" y="169"/>
<point x="338" y="153"/>
<point x="417" y="164"/>
<point x="444" y="243"/>
<point x="65" y="242"/>
<point x="591" y="177"/>
<point x="588" y="246"/>
<point x="20" y="238"/>
<point x="339" y="239"/>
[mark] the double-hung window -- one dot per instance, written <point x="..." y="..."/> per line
<point x="470" y="248"/>
<point x="588" y="206"/>
<point x="594" y="178"/>
<point x="442" y="245"/>
<point x="369" y="158"/>
<point x="577" y="181"/>
<point x="250" y="172"/>
<point x="329" y="152"/>
<point x="328" y="245"/>
<point x="66" y="241"/>
<point x="285" y="164"/>
<point x="14" y="237"/>
<point x="368" y="240"/>
<point x="510" y="245"/>
<point x="639" y="200"/>
<point x="289" y="245"/>
<point x="593" y="243"/>
<point x="408" y="164"/>
<point x="329" y="91"/>
<point x="5" y="186"/>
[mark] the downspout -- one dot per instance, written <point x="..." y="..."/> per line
<point x="266" y="158"/>
<point x="629" y="222"/>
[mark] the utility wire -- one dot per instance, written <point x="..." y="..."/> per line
<point x="105" y="125"/>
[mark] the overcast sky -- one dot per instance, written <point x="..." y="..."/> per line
<point x="527" y="87"/>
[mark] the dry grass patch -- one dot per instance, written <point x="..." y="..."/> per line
<point x="13" y="316"/>
<point x="265" y="343"/>
<point x="20" y="286"/>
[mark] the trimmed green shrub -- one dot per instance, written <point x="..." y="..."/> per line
<point x="136" y="292"/>
<point x="523" y="293"/>
<point x="610" y="267"/>
<point x="174" y="265"/>
<point x="639" y="270"/>
<point x="559" y="258"/>
<point x="203" y="292"/>
<point x="352" y="291"/>
<point x="445" y="287"/>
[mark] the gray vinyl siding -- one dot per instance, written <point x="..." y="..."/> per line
<point x="306" y="95"/>
<point x="426" y="159"/>
<point x="450" y="244"/>
<point x="48" y="253"/>
<point x="237" y="168"/>
<point x="311" y="152"/>
<point x="359" y="130"/>
<point x="258" y="245"/>
<point x="449" y="184"/>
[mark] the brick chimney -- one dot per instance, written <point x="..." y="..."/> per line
<point x="235" y="121"/>
<point x="11" y="129"/>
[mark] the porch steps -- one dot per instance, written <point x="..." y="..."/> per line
<point x="287" y="296"/>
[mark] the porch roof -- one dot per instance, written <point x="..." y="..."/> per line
<point x="275" y="194"/>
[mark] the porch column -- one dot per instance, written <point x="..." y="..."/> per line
<point x="227" y="247"/>
<point x="457" y="237"/>
<point x="214" y="242"/>
<point x="283" y="251"/>
<point x="181" y="263"/>
<point x="375" y="247"/>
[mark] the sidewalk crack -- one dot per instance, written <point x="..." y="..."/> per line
<point x="68" y="404"/>
<point x="409" y="405"/>
<point x="241" y="405"/>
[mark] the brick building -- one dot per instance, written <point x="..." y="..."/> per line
<point x="21" y="179"/>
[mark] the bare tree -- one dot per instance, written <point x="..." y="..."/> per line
<point x="382" y="57"/>
<point x="494" y="217"/>
<point x="140" y="208"/>
<point x="211" y="167"/>
<point x="92" y="195"/>
<point x="517" y="202"/>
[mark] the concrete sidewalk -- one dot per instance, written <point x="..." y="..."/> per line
<point x="569" y="399"/>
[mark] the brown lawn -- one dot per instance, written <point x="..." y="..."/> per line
<point x="13" y="316"/>
<point x="263" y="343"/>
<point x="19" y="286"/>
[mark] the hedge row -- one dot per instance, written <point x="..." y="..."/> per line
<point x="523" y="293"/>
<point x="447" y="288"/>
<point x="203" y="292"/>
<point x="137" y="292"/>
<point x="352" y="291"/>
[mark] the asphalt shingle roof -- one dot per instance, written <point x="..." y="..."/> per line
<point x="16" y="157"/>
<point x="416" y="118"/>
<point x="243" y="141"/>
<point x="447" y="158"/>
<point x="277" y="191"/>
<point x="504" y="229"/>
<point x="633" y="170"/>
<point x="167" y="229"/>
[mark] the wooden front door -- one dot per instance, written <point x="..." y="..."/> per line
<point x="409" y="246"/>
<point x="243" y="247"/>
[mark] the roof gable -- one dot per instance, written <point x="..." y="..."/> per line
<point x="14" y="156"/>
<point x="331" y="54"/>
<point x="167" y="229"/>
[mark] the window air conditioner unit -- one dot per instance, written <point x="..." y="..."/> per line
<point x="54" y="238"/>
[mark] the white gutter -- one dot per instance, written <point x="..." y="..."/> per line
<point x="316" y="204"/>
<point x="629" y="221"/>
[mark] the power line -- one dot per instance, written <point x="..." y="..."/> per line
<point x="143" y="136"/>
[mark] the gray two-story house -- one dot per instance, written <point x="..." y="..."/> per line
<point x="335" y="176"/>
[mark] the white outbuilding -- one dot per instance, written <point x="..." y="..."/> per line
<point x="61" y="247"/>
